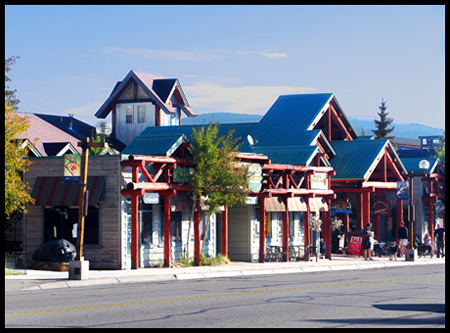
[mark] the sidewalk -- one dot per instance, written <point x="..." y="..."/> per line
<point x="40" y="279"/>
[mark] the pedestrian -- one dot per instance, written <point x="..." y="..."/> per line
<point x="367" y="242"/>
<point x="427" y="245"/>
<point x="440" y="239"/>
<point x="402" y="238"/>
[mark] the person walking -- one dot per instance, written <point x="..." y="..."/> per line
<point x="367" y="234"/>
<point x="440" y="234"/>
<point x="402" y="238"/>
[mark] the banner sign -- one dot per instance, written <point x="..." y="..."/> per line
<point x="72" y="168"/>
<point x="403" y="190"/>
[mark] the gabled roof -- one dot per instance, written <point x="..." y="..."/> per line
<point x="159" y="140"/>
<point x="77" y="128"/>
<point x="158" y="88"/>
<point x="355" y="159"/>
<point x="412" y="164"/>
<point x="40" y="132"/>
<point x="302" y="155"/>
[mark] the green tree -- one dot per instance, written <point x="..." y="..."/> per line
<point x="440" y="152"/>
<point x="216" y="180"/>
<point x="16" y="191"/>
<point x="382" y="131"/>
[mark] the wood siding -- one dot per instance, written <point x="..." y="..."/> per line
<point x="108" y="256"/>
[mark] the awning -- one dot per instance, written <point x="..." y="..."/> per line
<point x="274" y="205"/>
<point x="297" y="205"/>
<point x="51" y="191"/>
<point x="317" y="205"/>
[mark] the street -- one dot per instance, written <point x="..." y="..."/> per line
<point x="412" y="296"/>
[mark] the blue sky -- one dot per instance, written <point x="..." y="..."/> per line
<point x="232" y="58"/>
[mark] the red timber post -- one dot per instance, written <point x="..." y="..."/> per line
<point x="167" y="243"/>
<point x="197" y="255"/>
<point x="306" y="230"/>
<point x="224" y="232"/>
<point x="366" y="209"/>
<point x="327" y="228"/>
<point x="359" y="211"/>
<point x="285" y="230"/>
<point x="262" y="229"/>
<point x="134" y="222"/>
<point x="399" y="217"/>
<point x="376" y="226"/>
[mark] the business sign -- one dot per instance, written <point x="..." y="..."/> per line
<point x="151" y="198"/>
<point x="72" y="168"/>
<point x="319" y="181"/>
<point x="355" y="245"/>
<point x="254" y="177"/>
<point x="381" y="205"/>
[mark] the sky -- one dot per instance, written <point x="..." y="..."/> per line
<point x="232" y="58"/>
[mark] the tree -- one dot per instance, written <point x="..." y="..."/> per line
<point x="216" y="180"/>
<point x="10" y="95"/>
<point x="440" y="151"/>
<point x="382" y="131"/>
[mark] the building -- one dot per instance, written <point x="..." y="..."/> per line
<point x="308" y="165"/>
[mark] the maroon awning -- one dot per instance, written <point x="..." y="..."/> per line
<point x="51" y="191"/>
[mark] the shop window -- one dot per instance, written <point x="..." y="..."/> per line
<point x="146" y="220"/>
<point x="61" y="223"/>
<point x="175" y="226"/>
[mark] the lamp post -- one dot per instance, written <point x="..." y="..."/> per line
<point x="80" y="268"/>
<point x="423" y="165"/>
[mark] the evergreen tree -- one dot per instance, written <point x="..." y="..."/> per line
<point x="382" y="131"/>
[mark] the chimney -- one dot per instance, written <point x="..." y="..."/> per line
<point x="71" y="121"/>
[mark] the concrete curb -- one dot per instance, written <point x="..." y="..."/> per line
<point x="53" y="280"/>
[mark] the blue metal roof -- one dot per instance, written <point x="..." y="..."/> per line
<point x="287" y="120"/>
<point x="412" y="164"/>
<point x="302" y="155"/>
<point x="160" y="140"/>
<point x="355" y="157"/>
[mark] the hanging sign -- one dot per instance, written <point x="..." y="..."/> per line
<point x="72" y="168"/>
<point x="254" y="177"/>
<point x="355" y="245"/>
<point x="151" y="198"/>
<point x="403" y="190"/>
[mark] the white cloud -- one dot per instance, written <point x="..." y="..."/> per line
<point x="80" y="78"/>
<point x="274" y="55"/>
<point x="247" y="99"/>
<point x="192" y="55"/>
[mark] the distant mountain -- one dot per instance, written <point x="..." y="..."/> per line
<point x="222" y="118"/>
<point x="401" y="129"/>
<point x="362" y="122"/>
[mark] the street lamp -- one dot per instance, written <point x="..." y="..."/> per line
<point x="80" y="268"/>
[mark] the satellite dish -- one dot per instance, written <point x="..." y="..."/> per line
<point x="250" y="140"/>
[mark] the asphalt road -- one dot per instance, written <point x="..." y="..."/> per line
<point x="390" y="297"/>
